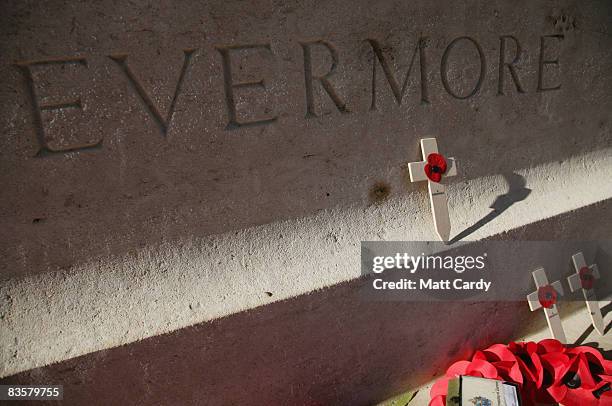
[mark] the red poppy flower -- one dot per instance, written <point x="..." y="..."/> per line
<point x="504" y="360"/>
<point x="583" y="380"/>
<point x="547" y="372"/>
<point x="435" y="167"/>
<point x="528" y="359"/>
<point x="586" y="277"/>
<point x="547" y="295"/>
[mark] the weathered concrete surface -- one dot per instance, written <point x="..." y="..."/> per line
<point x="156" y="221"/>
<point x="157" y="177"/>
<point x="329" y="347"/>
<point x="123" y="298"/>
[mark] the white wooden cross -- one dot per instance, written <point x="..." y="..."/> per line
<point x="583" y="279"/>
<point x="437" y="191"/>
<point x="544" y="293"/>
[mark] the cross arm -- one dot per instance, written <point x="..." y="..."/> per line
<point x="417" y="171"/>
<point x="534" y="301"/>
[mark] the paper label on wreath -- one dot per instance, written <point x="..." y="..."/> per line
<point x="473" y="391"/>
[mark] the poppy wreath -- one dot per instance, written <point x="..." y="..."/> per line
<point x="435" y="167"/>
<point x="547" y="372"/>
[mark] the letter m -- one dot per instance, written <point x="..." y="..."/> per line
<point x="399" y="92"/>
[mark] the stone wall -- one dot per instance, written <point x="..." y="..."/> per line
<point x="166" y="165"/>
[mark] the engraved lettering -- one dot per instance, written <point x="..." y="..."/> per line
<point x="230" y="85"/>
<point x="395" y="88"/>
<point x="163" y="123"/>
<point x="444" y="68"/>
<point x="510" y="65"/>
<point x="37" y="107"/>
<point x="321" y="62"/>
<point x="323" y="79"/>
<point x="544" y="62"/>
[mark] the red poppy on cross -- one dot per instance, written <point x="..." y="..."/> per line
<point x="546" y="298"/>
<point x="583" y="279"/>
<point x="433" y="169"/>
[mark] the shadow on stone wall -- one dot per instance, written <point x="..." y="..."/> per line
<point x="325" y="348"/>
<point x="516" y="193"/>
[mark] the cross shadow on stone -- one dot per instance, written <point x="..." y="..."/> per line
<point x="516" y="192"/>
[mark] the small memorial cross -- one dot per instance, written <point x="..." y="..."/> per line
<point x="583" y="279"/>
<point x="546" y="297"/>
<point x="432" y="169"/>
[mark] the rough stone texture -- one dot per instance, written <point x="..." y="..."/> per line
<point x="323" y="348"/>
<point x="355" y="353"/>
<point x="143" y="186"/>
<point x="178" y="219"/>
<point x="123" y="298"/>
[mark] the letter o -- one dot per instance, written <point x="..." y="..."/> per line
<point x="444" y="67"/>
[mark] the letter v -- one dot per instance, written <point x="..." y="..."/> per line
<point x="163" y="123"/>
